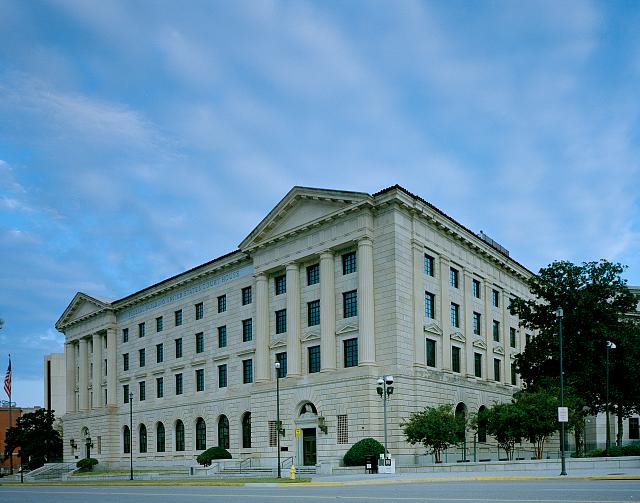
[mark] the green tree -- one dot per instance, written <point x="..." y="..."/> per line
<point x="594" y="299"/>
<point x="505" y="422"/>
<point x="539" y="412"/>
<point x="38" y="441"/>
<point x="436" y="428"/>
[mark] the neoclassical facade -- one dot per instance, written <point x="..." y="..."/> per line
<point x="339" y="288"/>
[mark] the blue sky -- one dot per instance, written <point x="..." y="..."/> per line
<point x="141" y="138"/>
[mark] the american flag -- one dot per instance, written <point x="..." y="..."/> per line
<point x="7" y="380"/>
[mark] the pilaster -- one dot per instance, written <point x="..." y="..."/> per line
<point x="327" y="311"/>
<point x="293" y="319"/>
<point x="70" y="357"/>
<point x="83" y="385"/>
<point x="112" y="367"/>
<point x="445" y="310"/>
<point x="96" y="385"/>
<point x="420" y="356"/>
<point x="366" y="302"/>
<point x="262" y="326"/>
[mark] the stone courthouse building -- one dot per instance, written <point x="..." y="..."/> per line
<point x="340" y="288"/>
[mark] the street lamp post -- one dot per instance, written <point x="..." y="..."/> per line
<point x="131" y="436"/>
<point x="277" y="366"/>
<point x="559" y="315"/>
<point x="612" y="346"/>
<point x="385" y="390"/>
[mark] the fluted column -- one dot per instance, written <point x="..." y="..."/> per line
<point x="468" y="323"/>
<point x="97" y="371"/>
<point x="83" y="385"/>
<point x="262" y="328"/>
<point x="366" y="302"/>
<point x="445" y="310"/>
<point x="70" y="356"/>
<point x="327" y="311"/>
<point x="419" y="307"/>
<point x="506" y="343"/>
<point x="293" y="319"/>
<point x="112" y="367"/>
<point x="488" y="331"/>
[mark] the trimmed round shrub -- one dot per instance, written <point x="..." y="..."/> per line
<point x="357" y="455"/>
<point x="212" y="453"/>
<point x="87" y="464"/>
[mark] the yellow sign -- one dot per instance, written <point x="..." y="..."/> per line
<point x="298" y="432"/>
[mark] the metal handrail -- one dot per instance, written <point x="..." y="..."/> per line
<point x="285" y="460"/>
<point x="243" y="461"/>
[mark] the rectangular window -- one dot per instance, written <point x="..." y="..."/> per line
<point x="313" y="274"/>
<point x="454" y="280"/>
<point x="280" y="284"/>
<point x="199" y="310"/>
<point x="496" y="331"/>
<point x="429" y="265"/>
<point x="514" y="374"/>
<point x="314" y="359"/>
<point x="141" y="357"/>
<point x="200" y="380"/>
<point x="350" y="303"/>
<point x="159" y="387"/>
<point x="477" y="323"/>
<point x="527" y="338"/>
<point x="159" y="324"/>
<point x="281" y="321"/>
<point x="455" y="359"/>
<point x="273" y="434"/>
<point x="246" y="296"/>
<point x="429" y="305"/>
<point x="199" y="342"/>
<point x="222" y="337"/>
<point x="177" y="316"/>
<point x="313" y="313"/>
<point x="222" y="303"/>
<point x="125" y="335"/>
<point x="222" y="376"/>
<point x="178" y="384"/>
<point x="125" y="393"/>
<point x="281" y="358"/>
<point x="477" y="364"/>
<point x="247" y="330"/>
<point x="247" y="371"/>
<point x="455" y="315"/>
<point x="179" y="347"/>
<point x="512" y="337"/>
<point x="343" y="429"/>
<point x="159" y="353"/>
<point x="496" y="369"/>
<point x="142" y="391"/>
<point x="475" y="288"/>
<point x="349" y="263"/>
<point x="495" y="298"/>
<point x="141" y="329"/>
<point x="351" y="352"/>
<point x="431" y="353"/>
<point x="125" y="361"/>
<point x="634" y="428"/>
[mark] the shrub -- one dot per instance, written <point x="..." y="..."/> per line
<point x="358" y="453"/>
<point x="212" y="453"/>
<point x="615" y="451"/>
<point x="87" y="464"/>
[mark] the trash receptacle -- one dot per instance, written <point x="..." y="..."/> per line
<point x="371" y="464"/>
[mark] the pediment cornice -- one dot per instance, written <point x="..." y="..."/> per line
<point x="287" y="219"/>
<point x="81" y="308"/>
<point x="479" y="343"/>
<point x="457" y="336"/>
<point x="433" y="328"/>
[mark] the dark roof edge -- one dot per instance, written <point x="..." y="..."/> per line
<point x="176" y="276"/>
<point x="439" y="211"/>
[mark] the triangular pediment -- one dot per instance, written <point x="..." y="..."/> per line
<point x="301" y="209"/>
<point x="457" y="336"/>
<point x="498" y="350"/>
<point x="479" y="343"/>
<point x="310" y="335"/>
<point x="279" y="343"/>
<point x="349" y="327"/>
<point x="433" y="328"/>
<point x="81" y="307"/>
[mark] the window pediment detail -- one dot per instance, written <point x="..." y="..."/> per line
<point x="498" y="350"/>
<point x="457" y="336"/>
<point x="345" y="329"/>
<point x="480" y="344"/>
<point x="433" y="328"/>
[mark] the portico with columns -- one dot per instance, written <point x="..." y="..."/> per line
<point x="332" y="359"/>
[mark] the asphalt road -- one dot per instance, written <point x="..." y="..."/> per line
<point x="548" y="491"/>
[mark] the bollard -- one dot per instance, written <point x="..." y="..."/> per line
<point x="292" y="472"/>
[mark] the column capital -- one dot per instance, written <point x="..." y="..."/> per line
<point x="260" y="276"/>
<point x="326" y="254"/>
<point x="365" y="241"/>
<point x="444" y="260"/>
<point x="293" y="266"/>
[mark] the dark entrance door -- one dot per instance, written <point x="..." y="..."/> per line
<point x="309" y="446"/>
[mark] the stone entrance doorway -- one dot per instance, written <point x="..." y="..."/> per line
<point x="309" y="457"/>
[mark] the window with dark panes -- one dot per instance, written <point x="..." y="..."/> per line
<point x="313" y="274"/>
<point x="247" y="296"/>
<point x="281" y="321"/>
<point x="247" y="330"/>
<point x="280" y="283"/>
<point x="350" y="303"/>
<point x="349" y="264"/>
<point x="314" y="359"/>
<point x="313" y="313"/>
<point x="431" y="353"/>
<point x="350" y="352"/>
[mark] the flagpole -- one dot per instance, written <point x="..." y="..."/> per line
<point x="10" y="424"/>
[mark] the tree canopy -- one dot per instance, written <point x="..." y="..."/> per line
<point x="36" y="438"/>
<point x="595" y="299"/>
<point x="436" y="428"/>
